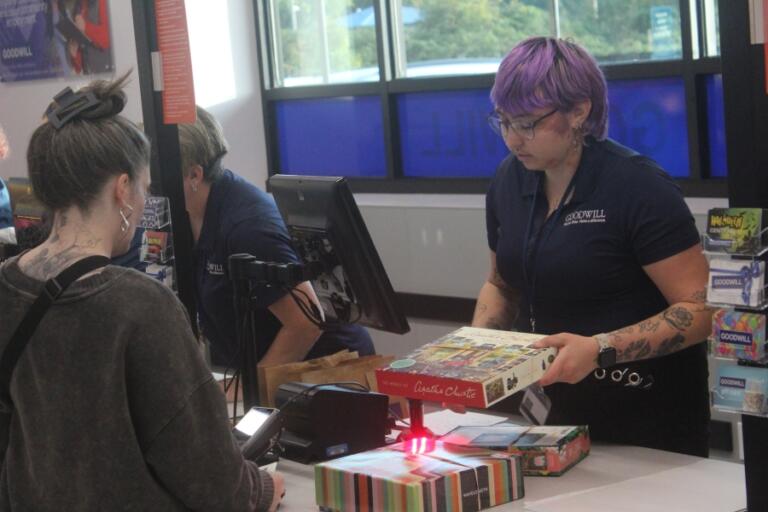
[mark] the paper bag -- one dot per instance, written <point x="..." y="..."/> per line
<point x="270" y="377"/>
<point x="351" y="370"/>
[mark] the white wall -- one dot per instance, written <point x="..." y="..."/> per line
<point x="22" y="103"/>
<point x="240" y="116"/>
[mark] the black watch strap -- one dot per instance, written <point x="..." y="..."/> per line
<point x="606" y="355"/>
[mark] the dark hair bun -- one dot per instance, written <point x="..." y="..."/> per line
<point x="111" y="98"/>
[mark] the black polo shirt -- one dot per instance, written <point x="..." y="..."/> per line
<point x="240" y="218"/>
<point x="586" y="262"/>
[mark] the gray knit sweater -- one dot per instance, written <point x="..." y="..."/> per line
<point x="114" y="407"/>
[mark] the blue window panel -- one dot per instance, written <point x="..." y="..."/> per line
<point x="649" y="116"/>
<point x="446" y="135"/>
<point x="718" y="164"/>
<point x="331" y="137"/>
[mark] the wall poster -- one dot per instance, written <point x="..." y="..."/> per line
<point x="53" y="38"/>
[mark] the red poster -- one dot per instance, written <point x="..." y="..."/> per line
<point x="765" y="41"/>
<point x="173" y="43"/>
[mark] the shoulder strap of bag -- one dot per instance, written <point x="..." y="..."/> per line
<point x="51" y="291"/>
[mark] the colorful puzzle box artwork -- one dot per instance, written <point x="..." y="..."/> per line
<point x="470" y="366"/>
<point x="446" y="479"/>
<point x="545" y="450"/>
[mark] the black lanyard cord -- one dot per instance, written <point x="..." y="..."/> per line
<point x="549" y="223"/>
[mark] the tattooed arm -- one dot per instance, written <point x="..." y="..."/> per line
<point x="497" y="303"/>
<point x="682" y="279"/>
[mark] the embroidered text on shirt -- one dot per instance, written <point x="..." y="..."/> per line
<point x="214" y="269"/>
<point x="584" y="217"/>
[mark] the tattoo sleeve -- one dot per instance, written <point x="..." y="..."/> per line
<point x="680" y="325"/>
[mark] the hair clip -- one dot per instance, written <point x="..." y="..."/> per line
<point x="68" y="104"/>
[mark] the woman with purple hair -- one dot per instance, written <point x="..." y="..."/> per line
<point x="594" y="245"/>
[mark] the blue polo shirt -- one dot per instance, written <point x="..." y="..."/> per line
<point x="240" y="218"/>
<point x="583" y="274"/>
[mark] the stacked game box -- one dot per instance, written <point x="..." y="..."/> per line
<point x="545" y="450"/>
<point x="449" y="478"/>
<point x="470" y="366"/>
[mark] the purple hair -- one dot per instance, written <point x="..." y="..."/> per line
<point x="545" y="72"/>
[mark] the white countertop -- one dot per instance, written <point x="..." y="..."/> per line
<point x="610" y="479"/>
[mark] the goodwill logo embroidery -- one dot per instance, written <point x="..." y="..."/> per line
<point x="585" y="217"/>
<point x="214" y="269"/>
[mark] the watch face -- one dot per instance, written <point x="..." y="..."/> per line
<point x="606" y="357"/>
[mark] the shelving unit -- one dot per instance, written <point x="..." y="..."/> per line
<point x="738" y="343"/>
<point x="157" y="241"/>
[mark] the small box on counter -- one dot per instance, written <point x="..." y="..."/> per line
<point x="545" y="450"/>
<point x="741" y="388"/>
<point x="738" y="334"/>
<point x="446" y="479"/>
<point x="736" y="230"/>
<point x="736" y="282"/>
<point x="470" y="366"/>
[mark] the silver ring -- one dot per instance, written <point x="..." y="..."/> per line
<point x="634" y="379"/>
<point x="617" y="375"/>
<point x="600" y="373"/>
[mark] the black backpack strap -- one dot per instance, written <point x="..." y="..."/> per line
<point x="51" y="291"/>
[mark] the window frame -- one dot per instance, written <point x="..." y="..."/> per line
<point x="692" y="71"/>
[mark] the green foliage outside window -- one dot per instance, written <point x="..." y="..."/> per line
<point x="339" y="44"/>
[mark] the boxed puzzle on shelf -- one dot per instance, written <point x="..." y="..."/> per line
<point x="736" y="282"/>
<point x="446" y="479"/>
<point x="736" y="230"/>
<point x="469" y="366"/>
<point x="738" y="334"/>
<point x="545" y="450"/>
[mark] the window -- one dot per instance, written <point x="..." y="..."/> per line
<point x="625" y="31"/>
<point x="324" y="41"/>
<point x="458" y="37"/>
<point x="394" y="93"/>
<point x="331" y="136"/>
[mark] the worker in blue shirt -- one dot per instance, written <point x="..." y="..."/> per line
<point x="593" y="245"/>
<point x="228" y="216"/>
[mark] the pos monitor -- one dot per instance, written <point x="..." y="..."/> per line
<point x="331" y="239"/>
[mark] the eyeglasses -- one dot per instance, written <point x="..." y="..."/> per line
<point x="526" y="130"/>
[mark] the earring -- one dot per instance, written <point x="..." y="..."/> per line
<point x="194" y="187"/>
<point x="124" y="224"/>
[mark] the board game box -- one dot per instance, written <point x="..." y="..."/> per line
<point x="470" y="366"/>
<point x="545" y="450"/>
<point x="449" y="478"/>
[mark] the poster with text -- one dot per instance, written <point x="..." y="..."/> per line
<point x="53" y="38"/>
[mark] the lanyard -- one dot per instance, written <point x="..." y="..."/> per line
<point x="529" y="278"/>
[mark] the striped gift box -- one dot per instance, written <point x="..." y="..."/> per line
<point x="447" y="479"/>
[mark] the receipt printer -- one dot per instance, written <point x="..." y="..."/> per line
<point x="327" y="421"/>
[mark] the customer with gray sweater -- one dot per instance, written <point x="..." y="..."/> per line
<point x="111" y="406"/>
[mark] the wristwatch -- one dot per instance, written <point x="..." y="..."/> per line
<point x="606" y="355"/>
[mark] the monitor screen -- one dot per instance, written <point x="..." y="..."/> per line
<point x="329" y="234"/>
